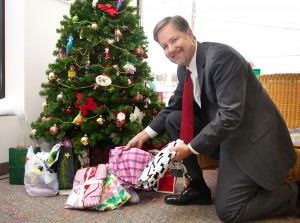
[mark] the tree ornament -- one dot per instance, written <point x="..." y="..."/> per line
<point x="154" y="112"/>
<point x="129" y="68"/>
<point x="139" y="51"/>
<point x="53" y="130"/>
<point x="78" y="120"/>
<point x="61" y="97"/>
<point x="138" y="98"/>
<point x="118" y="34"/>
<point x="107" y="53"/>
<point x="94" y="26"/>
<point x="69" y="44"/>
<point x="87" y="105"/>
<point x="120" y="119"/>
<point x="83" y="157"/>
<point x="88" y="65"/>
<point x="46" y="119"/>
<point x="52" y="76"/>
<point x="147" y="102"/>
<point x="108" y="8"/>
<point x="81" y="34"/>
<point x="84" y="140"/>
<point x="137" y="116"/>
<point x="130" y="81"/>
<point x="119" y="4"/>
<point x="103" y="80"/>
<point x="72" y="73"/>
<point x="69" y="110"/>
<point x="45" y="105"/>
<point x="33" y="132"/>
<point x="100" y="120"/>
<point x="60" y="53"/>
<point x="75" y="18"/>
<point x="94" y="3"/>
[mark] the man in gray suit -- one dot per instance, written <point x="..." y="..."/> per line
<point x="235" y="121"/>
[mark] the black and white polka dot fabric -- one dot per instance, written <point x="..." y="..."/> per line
<point x="159" y="165"/>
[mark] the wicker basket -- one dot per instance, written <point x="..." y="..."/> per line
<point x="284" y="89"/>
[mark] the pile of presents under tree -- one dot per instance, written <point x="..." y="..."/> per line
<point x="104" y="186"/>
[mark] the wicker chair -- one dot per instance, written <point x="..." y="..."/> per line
<point x="284" y="89"/>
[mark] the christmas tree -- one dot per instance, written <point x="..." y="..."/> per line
<point x="98" y="94"/>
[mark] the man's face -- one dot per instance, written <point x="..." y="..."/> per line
<point x="178" y="47"/>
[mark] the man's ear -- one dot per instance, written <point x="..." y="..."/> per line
<point x="190" y="34"/>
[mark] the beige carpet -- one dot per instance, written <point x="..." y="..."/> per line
<point x="17" y="207"/>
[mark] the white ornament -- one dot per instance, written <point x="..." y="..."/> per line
<point x="94" y="26"/>
<point x="33" y="131"/>
<point x="103" y="80"/>
<point x="137" y="116"/>
<point x="121" y="116"/>
<point x="94" y="3"/>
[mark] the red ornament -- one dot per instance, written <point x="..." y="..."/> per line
<point x="154" y="112"/>
<point x="109" y="8"/>
<point x="138" y="98"/>
<point x="69" y="110"/>
<point x="53" y="130"/>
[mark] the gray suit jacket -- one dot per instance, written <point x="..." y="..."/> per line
<point x="241" y="117"/>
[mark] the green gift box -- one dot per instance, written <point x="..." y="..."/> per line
<point x="17" y="158"/>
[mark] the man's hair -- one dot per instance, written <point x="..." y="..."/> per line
<point x="177" y="21"/>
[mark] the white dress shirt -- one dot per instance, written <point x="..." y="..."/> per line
<point x="196" y="91"/>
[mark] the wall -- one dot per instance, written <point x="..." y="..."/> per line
<point x="30" y="40"/>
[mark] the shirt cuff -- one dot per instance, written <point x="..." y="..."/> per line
<point x="192" y="150"/>
<point x="150" y="132"/>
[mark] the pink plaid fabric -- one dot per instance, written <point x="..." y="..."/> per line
<point x="128" y="165"/>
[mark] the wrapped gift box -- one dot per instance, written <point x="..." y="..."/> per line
<point x="166" y="184"/>
<point x="17" y="164"/>
<point x="66" y="169"/>
<point x="87" y="187"/>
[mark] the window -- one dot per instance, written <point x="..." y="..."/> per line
<point x="163" y="71"/>
<point x="2" y="49"/>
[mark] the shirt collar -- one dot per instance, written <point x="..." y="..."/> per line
<point x="193" y="67"/>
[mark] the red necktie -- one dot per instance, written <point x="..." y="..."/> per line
<point x="187" y="119"/>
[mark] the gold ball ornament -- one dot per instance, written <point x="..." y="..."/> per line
<point x="100" y="120"/>
<point x="53" y="130"/>
<point x="52" y="76"/>
<point x="84" y="140"/>
<point x="94" y="26"/>
<point x="45" y="105"/>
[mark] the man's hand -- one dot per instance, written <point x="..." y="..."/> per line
<point x="137" y="141"/>
<point x="182" y="151"/>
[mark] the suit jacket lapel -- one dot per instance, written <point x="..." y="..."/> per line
<point x="200" y="62"/>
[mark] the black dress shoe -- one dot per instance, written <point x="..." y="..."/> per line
<point x="190" y="196"/>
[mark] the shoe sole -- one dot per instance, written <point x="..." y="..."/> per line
<point x="196" y="202"/>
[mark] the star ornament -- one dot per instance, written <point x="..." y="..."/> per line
<point x="67" y="155"/>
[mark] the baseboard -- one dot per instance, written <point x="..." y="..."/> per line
<point x="4" y="167"/>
